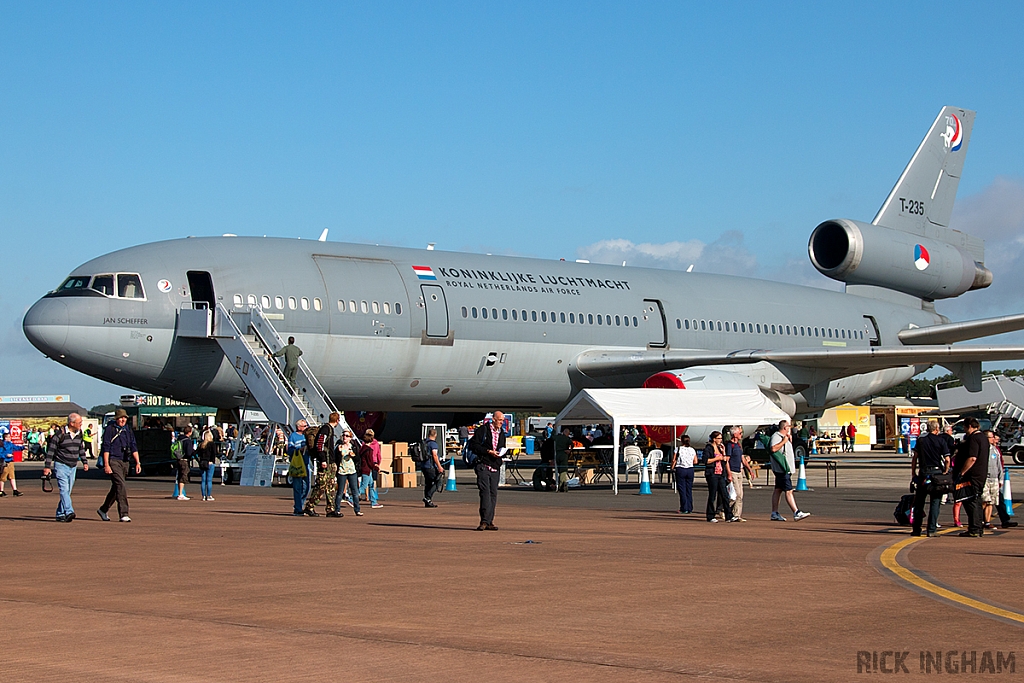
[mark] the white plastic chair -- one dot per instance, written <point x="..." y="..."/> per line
<point x="634" y="458"/>
<point x="653" y="458"/>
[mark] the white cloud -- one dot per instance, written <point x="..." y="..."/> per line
<point x="995" y="214"/>
<point x="727" y="254"/>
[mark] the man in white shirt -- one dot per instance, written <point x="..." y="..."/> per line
<point x="783" y="463"/>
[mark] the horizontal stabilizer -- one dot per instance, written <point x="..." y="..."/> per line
<point x="840" y="361"/>
<point x="954" y="332"/>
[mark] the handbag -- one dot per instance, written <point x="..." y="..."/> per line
<point x="938" y="484"/>
<point x="731" y="489"/>
<point x="963" y="492"/>
<point x="47" y="484"/>
<point x="297" y="467"/>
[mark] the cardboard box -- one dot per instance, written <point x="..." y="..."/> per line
<point x="387" y="451"/>
<point x="385" y="481"/>
<point x="406" y="480"/>
<point x="405" y="464"/>
<point x="400" y="448"/>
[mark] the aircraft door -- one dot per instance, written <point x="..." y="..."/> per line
<point x="654" y="320"/>
<point x="365" y="296"/>
<point x="436" y="309"/>
<point x="200" y="285"/>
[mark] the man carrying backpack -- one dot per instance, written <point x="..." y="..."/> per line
<point x="183" y="449"/>
<point x="431" y="468"/>
<point x="327" y="474"/>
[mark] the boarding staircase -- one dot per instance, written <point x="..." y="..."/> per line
<point x="249" y="340"/>
<point x="1000" y="396"/>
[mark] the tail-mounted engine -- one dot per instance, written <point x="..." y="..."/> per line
<point x="863" y="254"/>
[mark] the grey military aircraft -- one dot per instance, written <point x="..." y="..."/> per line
<point x="397" y="329"/>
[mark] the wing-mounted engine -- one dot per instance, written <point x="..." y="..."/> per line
<point x="864" y="254"/>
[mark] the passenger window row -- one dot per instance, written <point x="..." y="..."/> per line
<point x="572" y="318"/>
<point x="765" y="328"/>
<point x="265" y="303"/>
<point x="376" y="307"/>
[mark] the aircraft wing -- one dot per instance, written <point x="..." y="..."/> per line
<point x="959" y="359"/>
<point x="954" y="332"/>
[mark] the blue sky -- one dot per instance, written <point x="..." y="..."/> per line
<point x="658" y="133"/>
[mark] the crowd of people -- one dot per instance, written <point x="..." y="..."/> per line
<point x="973" y="469"/>
<point x="328" y="465"/>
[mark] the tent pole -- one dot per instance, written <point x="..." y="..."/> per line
<point x="615" y="456"/>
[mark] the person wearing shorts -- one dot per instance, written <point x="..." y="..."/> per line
<point x="7" y="451"/>
<point x="783" y="464"/>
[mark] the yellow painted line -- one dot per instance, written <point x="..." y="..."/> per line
<point x="889" y="561"/>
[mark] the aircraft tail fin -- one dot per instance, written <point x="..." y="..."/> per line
<point x="921" y="203"/>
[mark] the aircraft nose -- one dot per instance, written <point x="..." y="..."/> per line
<point x="46" y="326"/>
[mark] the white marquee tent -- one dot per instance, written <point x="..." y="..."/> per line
<point x="667" y="407"/>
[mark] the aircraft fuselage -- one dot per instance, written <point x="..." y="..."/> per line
<point x="387" y="328"/>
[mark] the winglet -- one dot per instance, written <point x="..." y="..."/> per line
<point x="323" y="236"/>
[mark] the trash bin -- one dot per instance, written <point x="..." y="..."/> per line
<point x="529" y="445"/>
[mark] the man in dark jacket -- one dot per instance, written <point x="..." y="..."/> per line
<point x="118" y="448"/>
<point x="63" y="452"/>
<point x="972" y="467"/>
<point x="488" y="443"/>
<point x="931" y="457"/>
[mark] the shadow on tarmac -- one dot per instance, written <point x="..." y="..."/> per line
<point x="421" y="526"/>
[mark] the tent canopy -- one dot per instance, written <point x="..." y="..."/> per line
<point x="670" y="407"/>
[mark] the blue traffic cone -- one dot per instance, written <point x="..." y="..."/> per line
<point x="801" y="482"/>
<point x="814" y="446"/>
<point x="645" y="480"/>
<point x="1007" y="494"/>
<point x="899" y="445"/>
<point x="450" y="486"/>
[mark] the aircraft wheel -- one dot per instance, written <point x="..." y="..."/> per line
<point x="1018" y="456"/>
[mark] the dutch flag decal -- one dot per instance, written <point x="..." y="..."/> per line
<point x="424" y="272"/>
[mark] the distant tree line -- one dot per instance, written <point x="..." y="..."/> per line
<point x="103" y="409"/>
<point x="925" y="388"/>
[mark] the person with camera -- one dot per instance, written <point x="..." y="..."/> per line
<point x="929" y="460"/>
<point x="118" y="448"/>
<point x="63" y="452"/>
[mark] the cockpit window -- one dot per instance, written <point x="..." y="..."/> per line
<point x="104" y="284"/>
<point x="74" y="282"/>
<point x="129" y="286"/>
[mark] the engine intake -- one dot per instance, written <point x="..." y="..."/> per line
<point x="863" y="254"/>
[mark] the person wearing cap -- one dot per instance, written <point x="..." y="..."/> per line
<point x="118" y="448"/>
<point x="63" y="452"/>
<point x="298" y="466"/>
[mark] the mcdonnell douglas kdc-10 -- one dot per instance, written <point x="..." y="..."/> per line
<point x="396" y="329"/>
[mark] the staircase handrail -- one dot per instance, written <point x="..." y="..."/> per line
<point x="225" y="314"/>
<point x="310" y="377"/>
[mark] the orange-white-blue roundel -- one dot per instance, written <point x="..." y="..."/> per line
<point x="921" y="257"/>
<point x="954" y="134"/>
